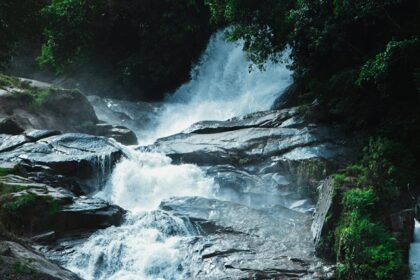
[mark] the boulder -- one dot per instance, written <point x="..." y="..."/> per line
<point x="29" y="104"/>
<point x="38" y="106"/>
<point x="402" y="226"/>
<point x="137" y="116"/>
<point x="28" y="207"/>
<point x="88" y="214"/>
<point x="264" y="143"/>
<point x="119" y="133"/>
<point x="9" y="126"/>
<point x="87" y="159"/>
<point x="326" y="215"/>
<point x="264" y="243"/>
<point x="255" y="137"/>
<point x="32" y="209"/>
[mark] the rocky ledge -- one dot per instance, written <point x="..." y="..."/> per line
<point x="46" y="179"/>
<point x="29" y="104"/>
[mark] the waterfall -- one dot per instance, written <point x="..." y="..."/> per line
<point x="415" y="253"/>
<point x="149" y="244"/>
<point x="221" y="87"/>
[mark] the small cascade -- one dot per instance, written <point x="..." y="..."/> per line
<point x="415" y="253"/>
<point x="102" y="166"/>
<point x="146" y="245"/>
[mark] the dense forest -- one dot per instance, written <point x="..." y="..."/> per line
<point x="356" y="65"/>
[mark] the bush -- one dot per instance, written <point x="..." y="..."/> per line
<point x="366" y="249"/>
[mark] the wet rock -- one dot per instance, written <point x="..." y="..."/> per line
<point x="10" y="142"/>
<point x="9" y="126"/>
<point x="402" y="225"/>
<point x="326" y="216"/>
<point x="254" y="137"/>
<point x="136" y="116"/>
<point x="260" y="144"/>
<point x="30" y="104"/>
<point x="54" y="109"/>
<point x="28" y="207"/>
<point x="86" y="158"/>
<point x="120" y="133"/>
<point x="264" y="243"/>
<point x="37" y="134"/>
<point x="88" y="214"/>
<point x="31" y="266"/>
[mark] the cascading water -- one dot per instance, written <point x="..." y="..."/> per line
<point x="415" y="253"/>
<point x="147" y="245"/>
<point x="221" y="87"/>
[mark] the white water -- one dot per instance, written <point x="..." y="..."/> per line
<point x="147" y="246"/>
<point x="415" y="254"/>
<point x="221" y="87"/>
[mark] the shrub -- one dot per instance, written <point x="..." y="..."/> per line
<point x="365" y="248"/>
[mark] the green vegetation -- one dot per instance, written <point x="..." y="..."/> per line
<point x="6" y="171"/>
<point x="19" y="22"/>
<point x="359" y="62"/>
<point x="68" y="34"/>
<point x="365" y="248"/>
<point x="22" y="268"/>
<point x="18" y="204"/>
<point x="369" y="192"/>
<point x="149" y="45"/>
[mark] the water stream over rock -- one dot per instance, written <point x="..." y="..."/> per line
<point x="220" y="199"/>
<point x="415" y="253"/>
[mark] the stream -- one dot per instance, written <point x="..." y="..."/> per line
<point x="214" y="220"/>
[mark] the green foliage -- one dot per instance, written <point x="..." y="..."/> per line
<point x="7" y="189"/>
<point x="378" y="69"/>
<point x="264" y="26"/>
<point x="19" y="21"/>
<point x="365" y="248"/>
<point x="244" y="161"/>
<point x="22" y="268"/>
<point x="40" y="96"/>
<point x="142" y="43"/>
<point x="68" y="34"/>
<point x="6" y="171"/>
<point x="16" y="205"/>
<point x="370" y="191"/>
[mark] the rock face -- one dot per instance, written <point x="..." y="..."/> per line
<point x="119" y="133"/>
<point x="262" y="135"/>
<point x="325" y="219"/>
<point x="88" y="214"/>
<point x="136" y="116"/>
<point x="268" y="167"/>
<point x="239" y="242"/>
<point x="42" y="107"/>
<point x="265" y="143"/>
<point x="86" y="159"/>
<point x="29" y="208"/>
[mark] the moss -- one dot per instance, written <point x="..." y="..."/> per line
<point x="16" y="205"/>
<point x="244" y="161"/>
<point x="7" y="171"/>
<point x="6" y="189"/>
<point x="7" y="81"/>
<point x="303" y="109"/>
<point x="22" y="268"/>
<point x="39" y="97"/>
